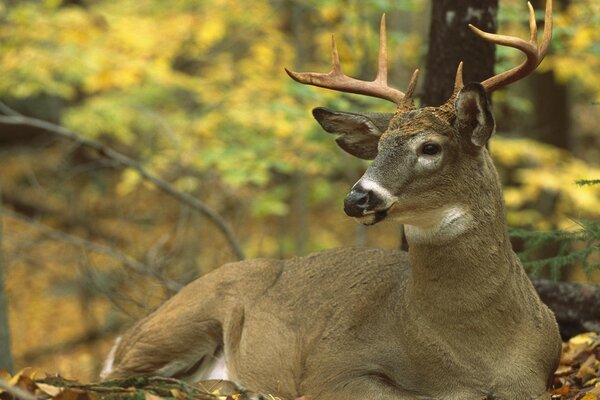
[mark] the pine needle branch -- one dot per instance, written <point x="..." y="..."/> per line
<point x="587" y="182"/>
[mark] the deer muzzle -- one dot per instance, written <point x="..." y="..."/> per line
<point x="365" y="204"/>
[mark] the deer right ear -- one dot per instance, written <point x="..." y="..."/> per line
<point x="473" y="114"/>
<point x="357" y="133"/>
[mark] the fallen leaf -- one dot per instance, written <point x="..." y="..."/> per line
<point x="49" y="389"/>
<point x="588" y="367"/>
<point x="75" y="394"/>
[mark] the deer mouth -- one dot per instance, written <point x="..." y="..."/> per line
<point x="372" y="217"/>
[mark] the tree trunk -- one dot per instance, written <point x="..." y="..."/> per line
<point x="550" y="101"/>
<point x="5" y="352"/>
<point x="451" y="41"/>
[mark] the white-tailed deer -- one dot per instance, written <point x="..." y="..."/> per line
<point x="454" y="318"/>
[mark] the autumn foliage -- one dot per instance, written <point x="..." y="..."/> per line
<point x="195" y="92"/>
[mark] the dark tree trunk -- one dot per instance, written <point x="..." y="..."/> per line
<point x="550" y="100"/>
<point x="451" y="41"/>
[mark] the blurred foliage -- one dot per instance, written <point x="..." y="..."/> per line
<point x="195" y="90"/>
<point x="539" y="184"/>
<point x="200" y="84"/>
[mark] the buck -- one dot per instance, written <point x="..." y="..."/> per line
<point x="455" y="317"/>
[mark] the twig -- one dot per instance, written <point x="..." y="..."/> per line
<point x="16" y="391"/>
<point x="108" y="152"/>
<point x="128" y="261"/>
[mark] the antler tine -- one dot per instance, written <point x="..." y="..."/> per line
<point x="458" y="81"/>
<point x="412" y="84"/>
<point x="532" y="24"/>
<point x="535" y="54"/>
<point x="337" y="80"/>
<point x="547" y="38"/>
<point x="382" y="65"/>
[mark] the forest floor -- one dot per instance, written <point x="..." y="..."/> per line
<point x="577" y="378"/>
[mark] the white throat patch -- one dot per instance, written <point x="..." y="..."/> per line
<point x="450" y="223"/>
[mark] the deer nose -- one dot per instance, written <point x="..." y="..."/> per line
<point x="356" y="202"/>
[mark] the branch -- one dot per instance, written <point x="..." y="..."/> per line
<point x="128" y="261"/>
<point x="86" y="338"/>
<point x="118" y="158"/>
<point x="7" y="110"/>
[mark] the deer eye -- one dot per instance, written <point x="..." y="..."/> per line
<point x="431" y="149"/>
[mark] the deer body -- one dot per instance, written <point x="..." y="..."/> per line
<point x="454" y="318"/>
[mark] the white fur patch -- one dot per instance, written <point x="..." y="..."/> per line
<point x="107" y="368"/>
<point x="219" y="370"/>
<point x="384" y="194"/>
<point x="439" y="225"/>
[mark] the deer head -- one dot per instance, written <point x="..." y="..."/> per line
<point x="418" y="153"/>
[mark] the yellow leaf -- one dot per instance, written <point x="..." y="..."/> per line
<point x="49" y="389"/>
<point x="584" y="338"/>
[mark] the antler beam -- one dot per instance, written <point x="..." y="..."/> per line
<point x="337" y="80"/>
<point x="535" y="54"/>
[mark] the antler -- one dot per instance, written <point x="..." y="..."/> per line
<point x="337" y="80"/>
<point x="534" y="54"/>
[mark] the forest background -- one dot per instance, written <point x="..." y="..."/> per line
<point x="195" y="92"/>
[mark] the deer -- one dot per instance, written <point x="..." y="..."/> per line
<point x="456" y="317"/>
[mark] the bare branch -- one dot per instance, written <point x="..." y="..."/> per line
<point x="127" y="261"/>
<point x="121" y="159"/>
<point x="7" y="110"/>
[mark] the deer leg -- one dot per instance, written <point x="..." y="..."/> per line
<point x="165" y="350"/>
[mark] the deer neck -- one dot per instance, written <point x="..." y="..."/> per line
<point x="463" y="260"/>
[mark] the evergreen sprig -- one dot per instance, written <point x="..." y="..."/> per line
<point x="569" y="253"/>
<point x="588" y="236"/>
<point x="587" y="182"/>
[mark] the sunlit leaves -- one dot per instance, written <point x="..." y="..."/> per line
<point x="540" y="173"/>
<point x="194" y="84"/>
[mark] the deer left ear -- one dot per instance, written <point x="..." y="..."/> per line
<point x="474" y="117"/>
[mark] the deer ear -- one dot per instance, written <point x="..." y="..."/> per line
<point x="357" y="133"/>
<point x="473" y="114"/>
